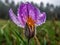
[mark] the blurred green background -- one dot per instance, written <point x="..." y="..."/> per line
<point x="47" y="34"/>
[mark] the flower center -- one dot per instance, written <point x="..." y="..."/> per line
<point x="31" y="23"/>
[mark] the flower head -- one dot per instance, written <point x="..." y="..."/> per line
<point x="28" y="13"/>
<point x="28" y="16"/>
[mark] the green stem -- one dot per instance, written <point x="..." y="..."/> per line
<point x="28" y="41"/>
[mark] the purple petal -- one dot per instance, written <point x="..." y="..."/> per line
<point x="14" y="18"/>
<point x="22" y="13"/>
<point x="34" y="12"/>
<point x="22" y="22"/>
<point x="41" y="19"/>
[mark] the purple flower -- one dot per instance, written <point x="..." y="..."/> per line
<point x="28" y="17"/>
<point x="27" y="13"/>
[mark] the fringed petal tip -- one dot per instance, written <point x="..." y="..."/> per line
<point x="14" y="18"/>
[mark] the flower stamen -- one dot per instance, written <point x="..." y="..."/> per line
<point x="31" y="23"/>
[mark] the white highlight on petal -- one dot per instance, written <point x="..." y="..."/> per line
<point x="41" y="15"/>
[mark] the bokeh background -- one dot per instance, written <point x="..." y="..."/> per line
<point x="47" y="34"/>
